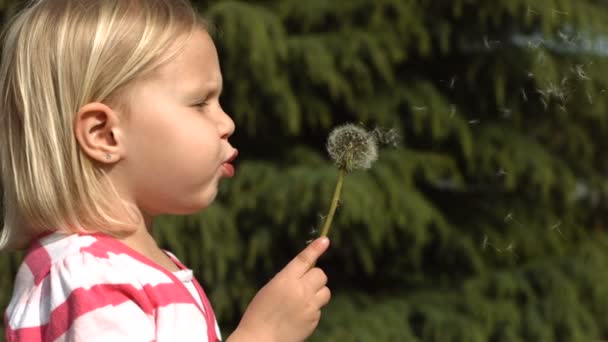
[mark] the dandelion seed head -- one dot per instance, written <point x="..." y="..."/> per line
<point x="352" y="147"/>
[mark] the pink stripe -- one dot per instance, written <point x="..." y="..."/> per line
<point x="209" y="314"/>
<point x="98" y="249"/>
<point x="38" y="261"/>
<point x="25" y="334"/>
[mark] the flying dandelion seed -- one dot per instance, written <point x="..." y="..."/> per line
<point x="510" y="247"/>
<point x="530" y="11"/>
<point x="590" y="98"/>
<point x="488" y="43"/>
<point x="533" y="45"/>
<point x="540" y="57"/>
<point x="484" y="243"/>
<point x="501" y="172"/>
<point x="556" y="12"/>
<point x="510" y="218"/>
<point x="524" y="95"/>
<point x="580" y="72"/>
<point x="506" y="112"/>
<point x="569" y="40"/>
<point x="387" y="137"/>
<point x="474" y="121"/>
<point x="452" y="111"/>
<point x="420" y="108"/>
<point x="556" y="226"/>
<point x="451" y="83"/>
<point x="563" y="97"/>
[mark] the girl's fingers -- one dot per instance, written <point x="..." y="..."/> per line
<point x="323" y="296"/>
<point x="306" y="259"/>
<point x="314" y="279"/>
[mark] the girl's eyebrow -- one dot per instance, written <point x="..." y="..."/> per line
<point x="205" y="88"/>
<point x="214" y="88"/>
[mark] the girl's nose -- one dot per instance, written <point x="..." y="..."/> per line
<point x="227" y="126"/>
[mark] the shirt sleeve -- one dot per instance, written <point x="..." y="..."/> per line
<point x="94" y="299"/>
<point x="87" y="298"/>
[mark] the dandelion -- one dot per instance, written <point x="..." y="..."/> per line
<point x="352" y="147"/>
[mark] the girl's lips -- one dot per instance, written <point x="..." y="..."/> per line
<point x="228" y="170"/>
<point x="233" y="156"/>
<point x="227" y="167"/>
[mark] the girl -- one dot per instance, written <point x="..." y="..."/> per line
<point x="110" y="116"/>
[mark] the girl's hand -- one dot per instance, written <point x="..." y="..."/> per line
<point x="288" y="308"/>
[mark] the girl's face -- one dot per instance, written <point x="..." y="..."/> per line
<point x="177" y="133"/>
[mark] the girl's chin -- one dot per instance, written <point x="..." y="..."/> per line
<point x="187" y="204"/>
<point x="198" y="203"/>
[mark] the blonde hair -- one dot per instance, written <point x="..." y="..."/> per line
<point x="59" y="55"/>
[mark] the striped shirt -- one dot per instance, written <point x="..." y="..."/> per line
<point x="91" y="287"/>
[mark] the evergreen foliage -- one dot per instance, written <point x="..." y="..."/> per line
<point x="486" y="224"/>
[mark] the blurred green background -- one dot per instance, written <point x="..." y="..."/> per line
<point x="487" y="223"/>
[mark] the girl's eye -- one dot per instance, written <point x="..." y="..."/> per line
<point x="200" y="104"/>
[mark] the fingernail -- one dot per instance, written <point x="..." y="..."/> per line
<point x="324" y="241"/>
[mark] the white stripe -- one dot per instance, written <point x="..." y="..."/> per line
<point x="180" y="322"/>
<point x="60" y="245"/>
<point x="23" y="284"/>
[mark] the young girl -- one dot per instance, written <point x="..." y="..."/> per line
<point x="110" y="116"/>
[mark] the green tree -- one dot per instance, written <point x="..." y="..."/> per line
<point x="486" y="224"/>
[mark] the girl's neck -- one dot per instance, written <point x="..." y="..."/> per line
<point x="143" y="242"/>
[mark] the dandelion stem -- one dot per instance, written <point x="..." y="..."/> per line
<point x="334" y="203"/>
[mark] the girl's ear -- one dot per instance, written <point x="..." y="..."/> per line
<point x="97" y="130"/>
